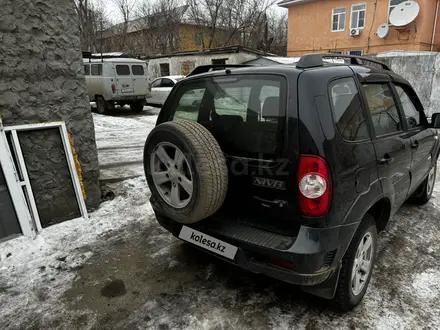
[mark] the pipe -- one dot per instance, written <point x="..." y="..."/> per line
<point x="435" y="25"/>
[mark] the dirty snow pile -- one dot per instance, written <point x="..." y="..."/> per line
<point x="35" y="273"/>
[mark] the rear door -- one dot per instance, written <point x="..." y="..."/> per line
<point x="165" y="88"/>
<point x="392" y="144"/>
<point x="247" y="116"/>
<point x="422" y="137"/>
<point x="124" y="80"/>
<point x="140" y="79"/>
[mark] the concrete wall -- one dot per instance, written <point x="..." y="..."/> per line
<point x="175" y="62"/>
<point x="422" y="70"/>
<point x="304" y="37"/>
<point x="42" y="80"/>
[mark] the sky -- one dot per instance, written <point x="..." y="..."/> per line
<point x="115" y="16"/>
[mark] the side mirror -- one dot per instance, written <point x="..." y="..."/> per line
<point x="435" y="120"/>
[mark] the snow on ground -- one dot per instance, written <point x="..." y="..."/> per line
<point x="120" y="138"/>
<point x="121" y="270"/>
<point x="35" y="273"/>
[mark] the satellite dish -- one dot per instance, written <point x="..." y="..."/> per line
<point x="382" y="30"/>
<point x="404" y="13"/>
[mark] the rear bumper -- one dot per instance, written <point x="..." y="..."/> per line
<point x="315" y="253"/>
<point x="128" y="97"/>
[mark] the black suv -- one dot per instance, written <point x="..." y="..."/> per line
<point x="290" y="171"/>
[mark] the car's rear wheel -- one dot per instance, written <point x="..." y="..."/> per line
<point x="424" y="193"/>
<point x="357" y="265"/>
<point x="101" y="105"/>
<point x="186" y="171"/>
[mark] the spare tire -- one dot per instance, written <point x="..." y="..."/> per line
<point x="186" y="171"/>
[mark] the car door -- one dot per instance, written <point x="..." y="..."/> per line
<point x="391" y="141"/>
<point x="165" y="88"/>
<point x="124" y="80"/>
<point x="155" y="90"/>
<point x="422" y="137"/>
<point x="140" y="80"/>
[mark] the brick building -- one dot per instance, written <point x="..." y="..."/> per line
<point x="323" y="26"/>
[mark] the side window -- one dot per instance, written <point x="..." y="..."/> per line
<point x="138" y="70"/>
<point x="156" y="83"/>
<point x="383" y="110"/>
<point x="87" y="70"/>
<point x="96" y="69"/>
<point x="412" y="116"/>
<point x="123" y="70"/>
<point x="347" y="110"/>
<point x="167" y="83"/>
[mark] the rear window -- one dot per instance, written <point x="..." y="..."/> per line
<point x="246" y="114"/>
<point x="87" y="70"/>
<point x="138" y="70"/>
<point x="123" y="70"/>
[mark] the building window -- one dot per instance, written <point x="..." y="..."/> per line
<point x="355" y="52"/>
<point x="358" y="16"/>
<point x="338" y="19"/>
<point x="199" y="39"/>
<point x="219" y="61"/>
<point x="164" y="69"/>
<point x="391" y="5"/>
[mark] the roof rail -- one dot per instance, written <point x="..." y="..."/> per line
<point x="214" y="67"/>
<point x="315" y="60"/>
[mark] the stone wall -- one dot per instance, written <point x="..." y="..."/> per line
<point x="422" y="70"/>
<point x="42" y="80"/>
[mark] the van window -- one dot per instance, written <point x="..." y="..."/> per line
<point x="246" y="114"/>
<point x="348" y="114"/>
<point x="123" y="70"/>
<point x="96" y="69"/>
<point x="87" y="70"/>
<point x="138" y="70"/>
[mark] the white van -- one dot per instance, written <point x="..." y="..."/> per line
<point x="119" y="81"/>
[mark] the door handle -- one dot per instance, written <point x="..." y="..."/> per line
<point x="386" y="160"/>
<point x="415" y="145"/>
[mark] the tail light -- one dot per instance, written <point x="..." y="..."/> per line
<point x="113" y="88"/>
<point x="314" y="185"/>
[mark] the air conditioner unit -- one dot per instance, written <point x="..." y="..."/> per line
<point x="355" y="32"/>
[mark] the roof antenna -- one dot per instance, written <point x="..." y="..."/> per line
<point x="102" y="60"/>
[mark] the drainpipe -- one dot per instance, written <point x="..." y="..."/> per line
<point x="435" y="25"/>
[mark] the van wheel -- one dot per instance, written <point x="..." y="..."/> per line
<point x="137" y="106"/>
<point x="424" y="193"/>
<point x="101" y="105"/>
<point x="357" y="266"/>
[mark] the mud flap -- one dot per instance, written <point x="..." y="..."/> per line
<point x="326" y="289"/>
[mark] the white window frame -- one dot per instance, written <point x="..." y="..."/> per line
<point x="27" y="225"/>
<point x="389" y="10"/>
<point x="34" y="225"/>
<point x="339" y="18"/>
<point x="358" y="11"/>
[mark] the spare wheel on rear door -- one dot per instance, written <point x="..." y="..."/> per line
<point x="186" y="171"/>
